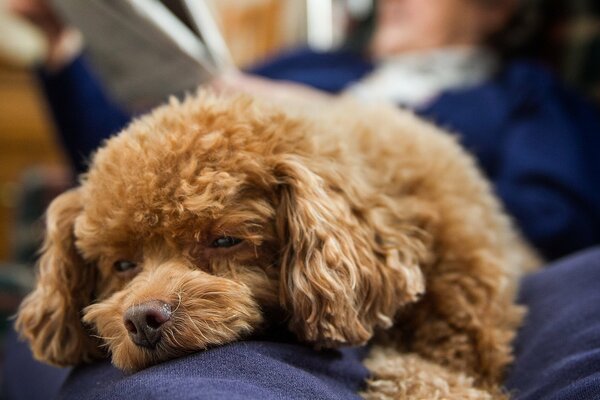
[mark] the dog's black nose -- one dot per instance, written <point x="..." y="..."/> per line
<point x="145" y="322"/>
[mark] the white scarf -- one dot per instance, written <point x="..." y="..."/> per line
<point x="415" y="79"/>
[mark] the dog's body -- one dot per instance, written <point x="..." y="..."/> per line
<point x="204" y="219"/>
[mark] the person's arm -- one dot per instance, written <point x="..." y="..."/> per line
<point x="83" y="113"/>
<point x="547" y="174"/>
<point x="537" y="144"/>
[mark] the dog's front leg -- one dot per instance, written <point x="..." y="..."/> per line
<point x="409" y="376"/>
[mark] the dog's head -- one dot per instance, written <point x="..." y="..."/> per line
<point x="201" y="221"/>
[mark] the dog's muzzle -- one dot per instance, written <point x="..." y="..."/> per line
<point x="145" y="322"/>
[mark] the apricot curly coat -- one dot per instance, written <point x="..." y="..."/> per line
<point x="356" y="221"/>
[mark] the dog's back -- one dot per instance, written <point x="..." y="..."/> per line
<point x="467" y="317"/>
<point x="407" y="157"/>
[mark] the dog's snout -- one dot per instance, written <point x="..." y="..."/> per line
<point x="145" y="321"/>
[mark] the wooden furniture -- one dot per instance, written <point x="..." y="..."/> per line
<point x="26" y="140"/>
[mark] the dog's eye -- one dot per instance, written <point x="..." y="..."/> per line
<point x="124" y="265"/>
<point x="226" y="241"/>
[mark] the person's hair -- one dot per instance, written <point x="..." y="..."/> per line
<point x="517" y="38"/>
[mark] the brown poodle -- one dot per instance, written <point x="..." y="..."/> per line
<point x="208" y="218"/>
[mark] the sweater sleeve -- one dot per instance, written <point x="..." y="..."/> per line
<point x="547" y="173"/>
<point x="537" y="143"/>
<point x="83" y="113"/>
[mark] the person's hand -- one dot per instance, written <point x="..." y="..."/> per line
<point x="273" y="90"/>
<point x="63" y="41"/>
<point x="40" y="14"/>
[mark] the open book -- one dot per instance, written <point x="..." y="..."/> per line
<point x="146" y="50"/>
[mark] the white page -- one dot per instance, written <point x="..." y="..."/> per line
<point x="140" y="64"/>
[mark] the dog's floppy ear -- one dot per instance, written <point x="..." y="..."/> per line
<point x="345" y="270"/>
<point x="50" y="316"/>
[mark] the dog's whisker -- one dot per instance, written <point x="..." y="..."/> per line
<point x="172" y="337"/>
<point x="179" y="297"/>
<point x="105" y="338"/>
<point x="198" y="328"/>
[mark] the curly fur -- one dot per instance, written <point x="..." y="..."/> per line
<point x="356" y="222"/>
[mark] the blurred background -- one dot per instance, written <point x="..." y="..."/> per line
<point x="34" y="167"/>
<point x="563" y="35"/>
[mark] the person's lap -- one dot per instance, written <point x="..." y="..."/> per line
<point x="558" y="357"/>
<point x="558" y="348"/>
